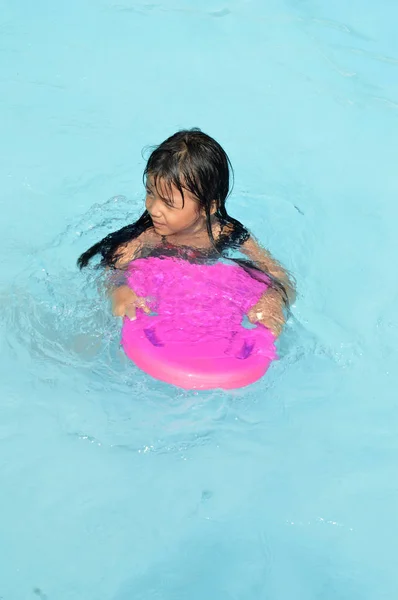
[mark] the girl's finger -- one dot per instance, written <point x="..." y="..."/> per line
<point x="130" y="312"/>
<point x="142" y="304"/>
<point x="254" y="316"/>
<point x="118" y="310"/>
<point x="146" y="309"/>
<point x="274" y="326"/>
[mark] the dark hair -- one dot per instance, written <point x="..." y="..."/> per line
<point x="193" y="161"/>
<point x="189" y="160"/>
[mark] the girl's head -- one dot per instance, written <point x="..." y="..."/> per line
<point x="187" y="180"/>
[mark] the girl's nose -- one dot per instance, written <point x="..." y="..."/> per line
<point x="153" y="207"/>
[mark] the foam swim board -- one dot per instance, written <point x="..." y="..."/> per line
<point x="197" y="340"/>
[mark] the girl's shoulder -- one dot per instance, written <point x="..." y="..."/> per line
<point x="230" y="234"/>
<point x="133" y="249"/>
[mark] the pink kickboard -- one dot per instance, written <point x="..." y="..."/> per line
<point x="196" y="340"/>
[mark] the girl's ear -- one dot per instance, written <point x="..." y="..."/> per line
<point x="213" y="208"/>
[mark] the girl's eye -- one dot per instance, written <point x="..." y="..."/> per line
<point x="149" y="192"/>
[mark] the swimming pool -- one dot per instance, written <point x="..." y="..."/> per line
<point x="115" y="486"/>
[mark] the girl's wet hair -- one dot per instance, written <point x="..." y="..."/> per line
<point x="190" y="161"/>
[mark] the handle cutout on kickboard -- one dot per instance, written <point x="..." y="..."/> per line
<point x="152" y="337"/>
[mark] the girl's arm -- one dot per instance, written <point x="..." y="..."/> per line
<point x="124" y="300"/>
<point x="269" y="310"/>
<point x="263" y="259"/>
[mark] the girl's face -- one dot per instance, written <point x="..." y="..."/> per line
<point x="171" y="214"/>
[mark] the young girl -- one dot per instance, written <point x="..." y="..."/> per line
<point x="187" y="182"/>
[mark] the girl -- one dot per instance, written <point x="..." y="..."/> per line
<point x="187" y="182"/>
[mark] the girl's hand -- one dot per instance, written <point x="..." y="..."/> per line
<point x="125" y="303"/>
<point x="269" y="312"/>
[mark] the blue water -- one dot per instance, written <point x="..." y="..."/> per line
<point x="114" y="486"/>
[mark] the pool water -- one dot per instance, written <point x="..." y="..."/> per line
<point x="115" y="486"/>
